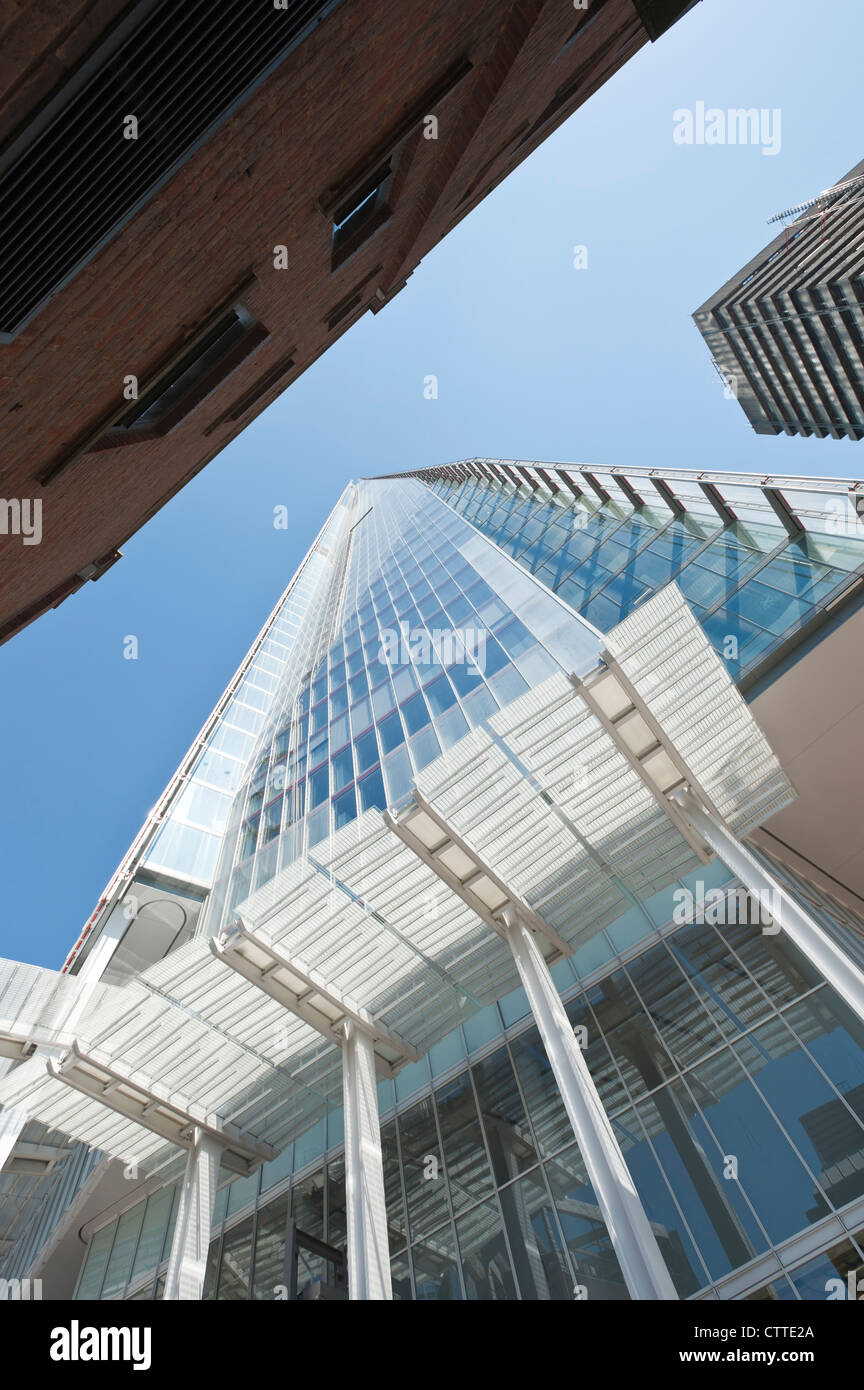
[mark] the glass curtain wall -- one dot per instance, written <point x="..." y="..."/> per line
<point x="734" y="1079"/>
<point x="748" y="580"/>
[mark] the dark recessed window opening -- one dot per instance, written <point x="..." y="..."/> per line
<point x="586" y="20"/>
<point x="203" y="366"/>
<point x="362" y="212"/>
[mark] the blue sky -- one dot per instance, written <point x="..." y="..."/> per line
<point x="534" y="359"/>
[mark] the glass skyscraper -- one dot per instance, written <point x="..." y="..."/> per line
<point x="730" y="1068"/>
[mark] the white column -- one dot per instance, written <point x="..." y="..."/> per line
<point x="811" y="939"/>
<point x="642" y="1265"/>
<point x="188" y="1260"/>
<point x="368" y="1247"/>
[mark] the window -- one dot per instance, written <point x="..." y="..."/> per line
<point x="359" y="207"/>
<point x="188" y="380"/>
<point x="359" y="215"/>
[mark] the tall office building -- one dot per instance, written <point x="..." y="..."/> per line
<point x="787" y="332"/>
<point x="486" y="883"/>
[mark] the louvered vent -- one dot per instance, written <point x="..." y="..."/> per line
<point x="70" y="179"/>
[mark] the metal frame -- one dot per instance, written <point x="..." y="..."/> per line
<point x="228" y="947"/>
<point x="465" y="888"/>
<point x="159" y="1113"/>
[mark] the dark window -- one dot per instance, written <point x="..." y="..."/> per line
<point x="360" y="214"/>
<point x="187" y="381"/>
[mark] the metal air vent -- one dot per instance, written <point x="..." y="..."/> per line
<point x="71" y="177"/>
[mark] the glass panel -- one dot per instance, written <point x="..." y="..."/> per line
<point x="726" y="989"/>
<point x="236" y="1264"/>
<point x="835" y="1037"/>
<point x="464" y="1151"/>
<point x="551" y="1125"/>
<point x="508" y="1134"/>
<point x="242" y="1191"/>
<point x="768" y="1171"/>
<point x="485" y="1262"/>
<point x="269" y="1273"/>
<point x="542" y="1267"/>
<point x="278" y="1168"/>
<point x="97" y="1259"/>
<point x="425" y="1182"/>
<point x="594" y="1261"/>
<point x="823" y="1129"/>
<point x="774" y="962"/>
<point x="828" y="1276"/>
<point x="149" y="1252"/>
<point x="436" y="1277"/>
<point x="780" y="1291"/>
<point x="211" y="1272"/>
<point x="716" y="1209"/>
<point x="120" y="1263"/>
<point x="676" y="1012"/>
<point x="400" y="1279"/>
<point x="640" y="1055"/>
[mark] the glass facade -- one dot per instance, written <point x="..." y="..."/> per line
<point x="734" y="1079"/>
<point x="732" y="1074"/>
<point x="750" y="579"/>
<point x="434" y="632"/>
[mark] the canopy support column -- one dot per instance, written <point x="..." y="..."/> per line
<point x="368" y="1245"/>
<point x="188" y="1260"/>
<point x="786" y="914"/>
<point x="635" y="1244"/>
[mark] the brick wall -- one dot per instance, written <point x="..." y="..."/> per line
<point x="257" y="183"/>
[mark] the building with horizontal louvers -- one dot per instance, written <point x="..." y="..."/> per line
<point x="787" y="332"/>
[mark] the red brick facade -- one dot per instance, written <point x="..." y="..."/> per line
<point x="498" y="77"/>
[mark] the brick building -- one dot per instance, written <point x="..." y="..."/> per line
<point x="195" y="204"/>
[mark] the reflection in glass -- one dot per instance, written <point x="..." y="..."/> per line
<point x="269" y="1269"/>
<point x="508" y="1134"/>
<point x="769" y="1171"/>
<point x="425" y="1184"/>
<point x="436" y="1277"/>
<point x="236" y="1265"/>
<point x="542" y="1268"/>
<point x="464" y="1152"/>
<point x="595" y="1264"/>
<point x="485" y="1261"/>
<point x="827" y="1276"/>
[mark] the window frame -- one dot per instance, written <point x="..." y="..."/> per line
<point x="197" y="390"/>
